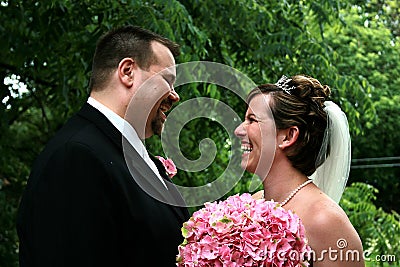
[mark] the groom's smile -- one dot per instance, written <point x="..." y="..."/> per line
<point x="157" y="123"/>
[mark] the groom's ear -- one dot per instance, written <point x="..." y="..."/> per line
<point x="287" y="137"/>
<point x="126" y="68"/>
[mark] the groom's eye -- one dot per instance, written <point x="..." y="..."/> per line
<point x="170" y="79"/>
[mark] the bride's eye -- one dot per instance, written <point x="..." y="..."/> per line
<point x="252" y="119"/>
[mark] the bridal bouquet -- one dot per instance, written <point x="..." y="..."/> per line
<point x="242" y="231"/>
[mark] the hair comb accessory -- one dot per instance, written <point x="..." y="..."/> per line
<point x="283" y="83"/>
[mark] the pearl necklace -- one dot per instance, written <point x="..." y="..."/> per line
<point x="293" y="193"/>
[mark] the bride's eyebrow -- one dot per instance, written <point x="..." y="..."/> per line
<point x="251" y="116"/>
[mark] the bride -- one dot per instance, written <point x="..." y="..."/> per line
<point x="299" y="143"/>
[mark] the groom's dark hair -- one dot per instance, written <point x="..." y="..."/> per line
<point x="125" y="42"/>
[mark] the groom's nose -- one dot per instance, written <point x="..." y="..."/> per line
<point x="173" y="95"/>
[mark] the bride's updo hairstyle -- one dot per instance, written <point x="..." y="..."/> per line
<point x="299" y="101"/>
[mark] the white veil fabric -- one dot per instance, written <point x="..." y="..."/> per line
<point x="331" y="177"/>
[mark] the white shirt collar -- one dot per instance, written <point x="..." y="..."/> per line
<point x="122" y="125"/>
<point x="127" y="131"/>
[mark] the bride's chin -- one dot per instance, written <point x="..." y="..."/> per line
<point x="248" y="165"/>
<point x="245" y="166"/>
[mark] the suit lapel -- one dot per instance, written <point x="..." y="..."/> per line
<point x="140" y="171"/>
<point x="181" y="212"/>
<point x="160" y="167"/>
<point x="90" y="113"/>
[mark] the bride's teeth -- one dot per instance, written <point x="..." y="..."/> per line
<point x="246" y="149"/>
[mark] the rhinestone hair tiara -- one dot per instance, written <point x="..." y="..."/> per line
<point x="283" y="83"/>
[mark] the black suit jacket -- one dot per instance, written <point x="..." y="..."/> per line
<point x="82" y="206"/>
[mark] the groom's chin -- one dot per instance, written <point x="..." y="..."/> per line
<point x="157" y="126"/>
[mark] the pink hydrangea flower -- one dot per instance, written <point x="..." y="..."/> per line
<point x="242" y="231"/>
<point x="169" y="166"/>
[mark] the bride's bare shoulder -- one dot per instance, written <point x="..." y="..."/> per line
<point x="258" y="194"/>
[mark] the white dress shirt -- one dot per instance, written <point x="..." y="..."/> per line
<point x="128" y="132"/>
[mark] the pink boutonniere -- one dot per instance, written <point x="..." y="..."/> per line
<point x="169" y="166"/>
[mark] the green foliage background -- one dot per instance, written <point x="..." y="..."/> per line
<point x="351" y="45"/>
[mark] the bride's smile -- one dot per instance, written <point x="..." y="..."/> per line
<point x="258" y="136"/>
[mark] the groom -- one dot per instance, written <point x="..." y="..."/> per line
<point x="95" y="197"/>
